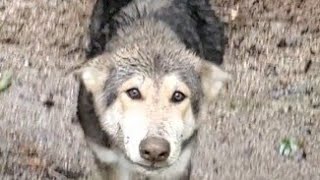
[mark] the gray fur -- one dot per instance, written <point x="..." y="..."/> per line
<point x="167" y="36"/>
<point x="194" y="23"/>
<point x="155" y="60"/>
<point x="89" y="121"/>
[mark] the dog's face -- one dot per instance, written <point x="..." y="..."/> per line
<point x="149" y="103"/>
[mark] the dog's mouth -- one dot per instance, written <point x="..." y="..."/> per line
<point x="151" y="167"/>
<point x="148" y="166"/>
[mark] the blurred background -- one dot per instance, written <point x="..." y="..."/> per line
<point x="266" y="125"/>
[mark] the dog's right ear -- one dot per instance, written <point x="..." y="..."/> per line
<point x="94" y="74"/>
<point x="212" y="79"/>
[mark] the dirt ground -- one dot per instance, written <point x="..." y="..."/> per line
<point x="273" y="53"/>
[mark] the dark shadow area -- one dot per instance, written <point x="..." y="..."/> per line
<point x="100" y="29"/>
<point x="194" y="21"/>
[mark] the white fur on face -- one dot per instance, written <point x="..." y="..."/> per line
<point x="180" y="122"/>
<point x="117" y="160"/>
<point x="135" y="128"/>
<point x="153" y="115"/>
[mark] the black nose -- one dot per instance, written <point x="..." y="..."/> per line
<point x="154" y="149"/>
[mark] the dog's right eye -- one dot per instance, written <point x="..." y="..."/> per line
<point x="177" y="97"/>
<point x="134" y="93"/>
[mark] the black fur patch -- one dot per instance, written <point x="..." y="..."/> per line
<point x="88" y="118"/>
<point x="101" y="26"/>
<point x="195" y="23"/>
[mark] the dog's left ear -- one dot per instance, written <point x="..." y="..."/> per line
<point x="94" y="74"/>
<point x="212" y="79"/>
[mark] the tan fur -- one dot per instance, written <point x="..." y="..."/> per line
<point x="94" y="73"/>
<point x="213" y="78"/>
<point x="147" y="54"/>
<point x="155" y="96"/>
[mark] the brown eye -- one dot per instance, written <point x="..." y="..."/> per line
<point x="134" y="93"/>
<point x="177" y="97"/>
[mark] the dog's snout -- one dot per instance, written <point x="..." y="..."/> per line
<point x="154" y="149"/>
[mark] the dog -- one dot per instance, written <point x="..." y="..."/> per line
<point x="152" y="71"/>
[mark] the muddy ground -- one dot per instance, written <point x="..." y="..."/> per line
<point x="273" y="53"/>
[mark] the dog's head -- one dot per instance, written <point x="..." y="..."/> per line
<point x="149" y="102"/>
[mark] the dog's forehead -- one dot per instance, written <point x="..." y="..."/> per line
<point x="155" y="63"/>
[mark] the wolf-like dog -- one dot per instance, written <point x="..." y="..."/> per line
<point x="150" y="75"/>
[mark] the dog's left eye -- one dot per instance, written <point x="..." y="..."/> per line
<point x="134" y="93"/>
<point x="177" y="97"/>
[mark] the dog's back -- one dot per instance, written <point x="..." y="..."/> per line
<point x="192" y="20"/>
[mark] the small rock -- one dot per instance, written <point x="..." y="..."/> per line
<point x="27" y="63"/>
<point x="304" y="30"/>
<point x="234" y="13"/>
<point x="312" y="52"/>
<point x="315" y="103"/>
<point x="47" y="100"/>
<point x="286" y="109"/>
<point x="308" y="131"/>
<point x="307" y="66"/>
<point x="300" y="155"/>
<point x="304" y="155"/>
<point x="282" y="43"/>
<point x="252" y="67"/>
<point x="271" y="70"/>
<point x="293" y="41"/>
